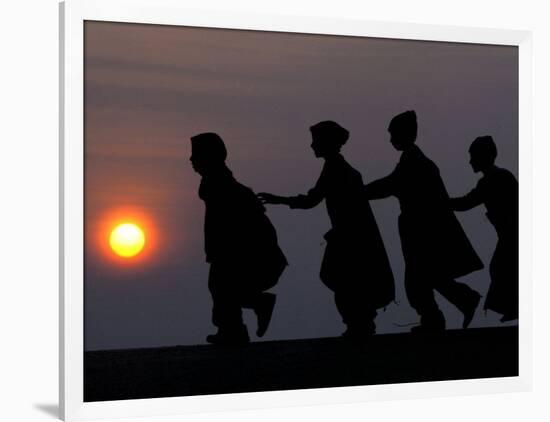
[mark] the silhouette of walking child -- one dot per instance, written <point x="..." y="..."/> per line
<point x="240" y="244"/>
<point x="435" y="247"/>
<point x="498" y="191"/>
<point x="355" y="265"/>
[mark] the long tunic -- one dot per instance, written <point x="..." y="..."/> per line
<point x="498" y="191"/>
<point x="355" y="257"/>
<point x="433" y="242"/>
<point x="239" y="238"/>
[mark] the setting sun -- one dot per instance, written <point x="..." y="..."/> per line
<point x="127" y="240"/>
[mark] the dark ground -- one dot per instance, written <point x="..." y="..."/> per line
<point x="297" y="364"/>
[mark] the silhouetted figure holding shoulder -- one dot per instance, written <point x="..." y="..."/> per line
<point x="355" y="264"/>
<point x="240" y="243"/>
<point x="498" y="191"/>
<point x="435" y="247"/>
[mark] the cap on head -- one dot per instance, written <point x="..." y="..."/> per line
<point x="209" y="145"/>
<point x="405" y="124"/>
<point x="330" y="130"/>
<point x="485" y="147"/>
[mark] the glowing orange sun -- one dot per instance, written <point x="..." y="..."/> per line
<point x="127" y="240"/>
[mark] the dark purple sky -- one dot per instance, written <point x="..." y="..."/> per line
<point x="148" y="88"/>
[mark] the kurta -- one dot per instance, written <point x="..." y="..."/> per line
<point x="433" y="241"/>
<point x="355" y="258"/>
<point x="498" y="191"/>
<point x="239" y="238"/>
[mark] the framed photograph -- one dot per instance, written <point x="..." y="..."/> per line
<point x="267" y="210"/>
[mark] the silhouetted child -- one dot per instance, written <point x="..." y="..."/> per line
<point x="435" y="247"/>
<point x="355" y="264"/>
<point x="498" y="191"/>
<point x="240" y="243"/>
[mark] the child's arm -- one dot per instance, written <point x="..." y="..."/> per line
<point x="467" y="202"/>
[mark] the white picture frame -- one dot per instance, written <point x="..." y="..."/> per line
<point x="73" y="14"/>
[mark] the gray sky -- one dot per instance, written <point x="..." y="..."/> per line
<point x="149" y="88"/>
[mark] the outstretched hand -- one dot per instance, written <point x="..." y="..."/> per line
<point x="268" y="198"/>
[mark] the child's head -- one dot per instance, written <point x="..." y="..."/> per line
<point x="403" y="130"/>
<point x="483" y="153"/>
<point x="208" y="152"/>
<point x="328" y="138"/>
